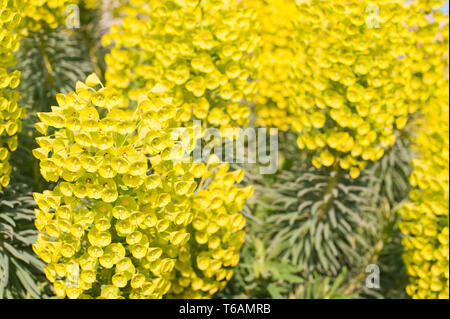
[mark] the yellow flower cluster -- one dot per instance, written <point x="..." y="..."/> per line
<point x="10" y="113"/>
<point x="426" y="217"/>
<point x="275" y="83"/>
<point x="428" y="57"/>
<point x="38" y="14"/>
<point x="130" y="217"/>
<point x="352" y="81"/>
<point x="200" y="49"/>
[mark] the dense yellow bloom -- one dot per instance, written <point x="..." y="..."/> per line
<point x="343" y="74"/>
<point x="275" y="59"/>
<point x="202" y="50"/>
<point x="130" y="217"/>
<point x="10" y="113"/>
<point x="38" y="14"/>
<point x="426" y="217"/>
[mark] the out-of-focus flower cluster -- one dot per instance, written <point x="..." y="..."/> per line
<point x="428" y="57"/>
<point x="130" y="217"/>
<point x="348" y="75"/>
<point x="276" y="85"/>
<point x="426" y="217"/>
<point x="202" y="50"/>
<point x="10" y="113"/>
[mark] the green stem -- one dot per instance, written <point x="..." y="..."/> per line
<point x="335" y="173"/>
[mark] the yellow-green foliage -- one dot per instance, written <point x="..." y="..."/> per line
<point x="10" y="113"/>
<point x="352" y="81"/>
<point x="426" y="217"/>
<point x="134" y="218"/>
<point x="202" y="50"/>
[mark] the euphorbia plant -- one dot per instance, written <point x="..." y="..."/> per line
<point x="131" y="216"/>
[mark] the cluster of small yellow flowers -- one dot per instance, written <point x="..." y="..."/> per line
<point x="344" y="93"/>
<point x="52" y="13"/>
<point x="426" y="217"/>
<point x="218" y="236"/>
<point x="130" y="216"/>
<point x="275" y="84"/>
<point x="353" y="96"/>
<point x="427" y="59"/>
<point x="200" y="49"/>
<point x="10" y="113"/>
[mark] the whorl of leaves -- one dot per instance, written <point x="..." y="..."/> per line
<point x="262" y="274"/>
<point x="388" y="181"/>
<point x="304" y="213"/>
<point x="318" y="218"/>
<point x="20" y="268"/>
<point x="385" y="251"/>
<point x="51" y="61"/>
<point x="389" y="177"/>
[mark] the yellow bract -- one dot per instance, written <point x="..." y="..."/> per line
<point x="346" y="75"/>
<point x="10" y="113"/>
<point x="128" y="214"/>
<point x="202" y="51"/>
<point x="426" y="217"/>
